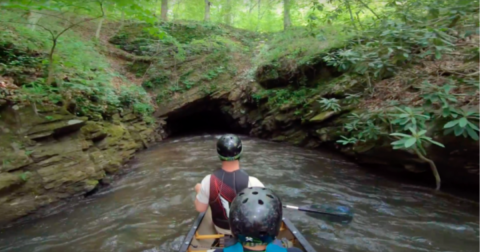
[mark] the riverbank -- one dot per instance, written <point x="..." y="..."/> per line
<point x="61" y="139"/>
<point x="150" y="209"/>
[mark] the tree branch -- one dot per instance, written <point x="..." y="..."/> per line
<point x="433" y="167"/>
<point x="83" y="21"/>
<point x="41" y="26"/>
<point x="46" y="14"/>
<point x="369" y="82"/>
<point x="366" y="6"/>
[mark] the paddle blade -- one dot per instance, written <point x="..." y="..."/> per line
<point x="331" y="213"/>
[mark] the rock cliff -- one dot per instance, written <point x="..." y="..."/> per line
<point x="48" y="154"/>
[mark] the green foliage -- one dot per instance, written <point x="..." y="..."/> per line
<point x="24" y="176"/>
<point x="86" y="87"/>
<point x="346" y="141"/>
<point x="214" y="73"/>
<point x="209" y="48"/>
<point x="364" y="127"/>
<point x="385" y="47"/>
<point x="297" y="47"/>
<point x="14" y="61"/>
<point x="352" y="98"/>
<point x="413" y="140"/>
<point x="464" y="124"/>
<point x="330" y="104"/>
<point x="410" y="118"/>
<point x="284" y="96"/>
<point x="441" y="95"/>
<point x="392" y="49"/>
<point x="407" y="37"/>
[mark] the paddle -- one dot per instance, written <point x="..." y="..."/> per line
<point x="332" y="213"/>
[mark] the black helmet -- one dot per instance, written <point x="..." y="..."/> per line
<point x="229" y="147"/>
<point x="255" y="216"/>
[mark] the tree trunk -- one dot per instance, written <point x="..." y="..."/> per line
<point x="207" y="10"/>
<point x="258" y="8"/>
<point x="50" y="63"/>
<point x="122" y="23"/>
<point x="33" y="18"/>
<point x="164" y="10"/>
<point x="287" y="23"/>
<point x="433" y="167"/>
<point x="228" y="12"/>
<point x="99" y="28"/>
<point x="258" y="15"/>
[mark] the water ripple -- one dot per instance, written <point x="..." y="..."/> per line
<point x="150" y="208"/>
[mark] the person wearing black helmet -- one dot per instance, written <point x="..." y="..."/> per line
<point x="219" y="189"/>
<point x="255" y="219"/>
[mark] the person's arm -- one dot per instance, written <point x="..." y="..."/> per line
<point x="203" y="193"/>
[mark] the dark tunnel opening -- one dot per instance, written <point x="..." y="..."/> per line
<point x="202" y="117"/>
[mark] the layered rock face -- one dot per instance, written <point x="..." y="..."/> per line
<point x="48" y="154"/>
<point x="457" y="163"/>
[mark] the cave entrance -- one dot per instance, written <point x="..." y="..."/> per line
<point x="204" y="116"/>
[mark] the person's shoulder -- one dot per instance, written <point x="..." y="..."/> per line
<point x="206" y="178"/>
<point x="255" y="182"/>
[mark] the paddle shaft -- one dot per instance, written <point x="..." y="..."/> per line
<point x="310" y="210"/>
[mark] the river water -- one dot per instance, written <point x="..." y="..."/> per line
<point x="150" y="208"/>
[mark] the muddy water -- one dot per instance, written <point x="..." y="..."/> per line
<point x="150" y="208"/>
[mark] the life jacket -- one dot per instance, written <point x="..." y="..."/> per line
<point x="224" y="187"/>
<point x="275" y="246"/>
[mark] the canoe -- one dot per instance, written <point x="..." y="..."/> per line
<point x="203" y="237"/>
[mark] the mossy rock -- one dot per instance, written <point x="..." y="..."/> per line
<point x="284" y="117"/>
<point x="298" y="137"/>
<point x="115" y="134"/>
<point x="8" y="180"/>
<point x="93" y="131"/>
<point x="14" y="160"/>
<point x="129" y="117"/>
<point x="56" y="117"/>
<point x="280" y="138"/>
<point x="129" y="145"/>
<point x="294" y="136"/>
<point x="328" y="134"/>
<point x="59" y="127"/>
<point x="112" y="166"/>
<point x="90" y="185"/>
<point x="92" y="127"/>
<point x="364" y="147"/>
<point x="108" y="160"/>
<point x="323" y="116"/>
<point x="95" y="116"/>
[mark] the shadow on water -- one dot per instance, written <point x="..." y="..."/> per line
<point x="150" y="207"/>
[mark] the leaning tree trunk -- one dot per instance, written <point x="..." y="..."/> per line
<point x="100" y="25"/>
<point x="33" y="18"/>
<point x="228" y="13"/>
<point x="433" y="167"/>
<point x="287" y="23"/>
<point x="207" y="10"/>
<point x="164" y="10"/>
<point x="99" y="28"/>
<point x="50" y="63"/>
